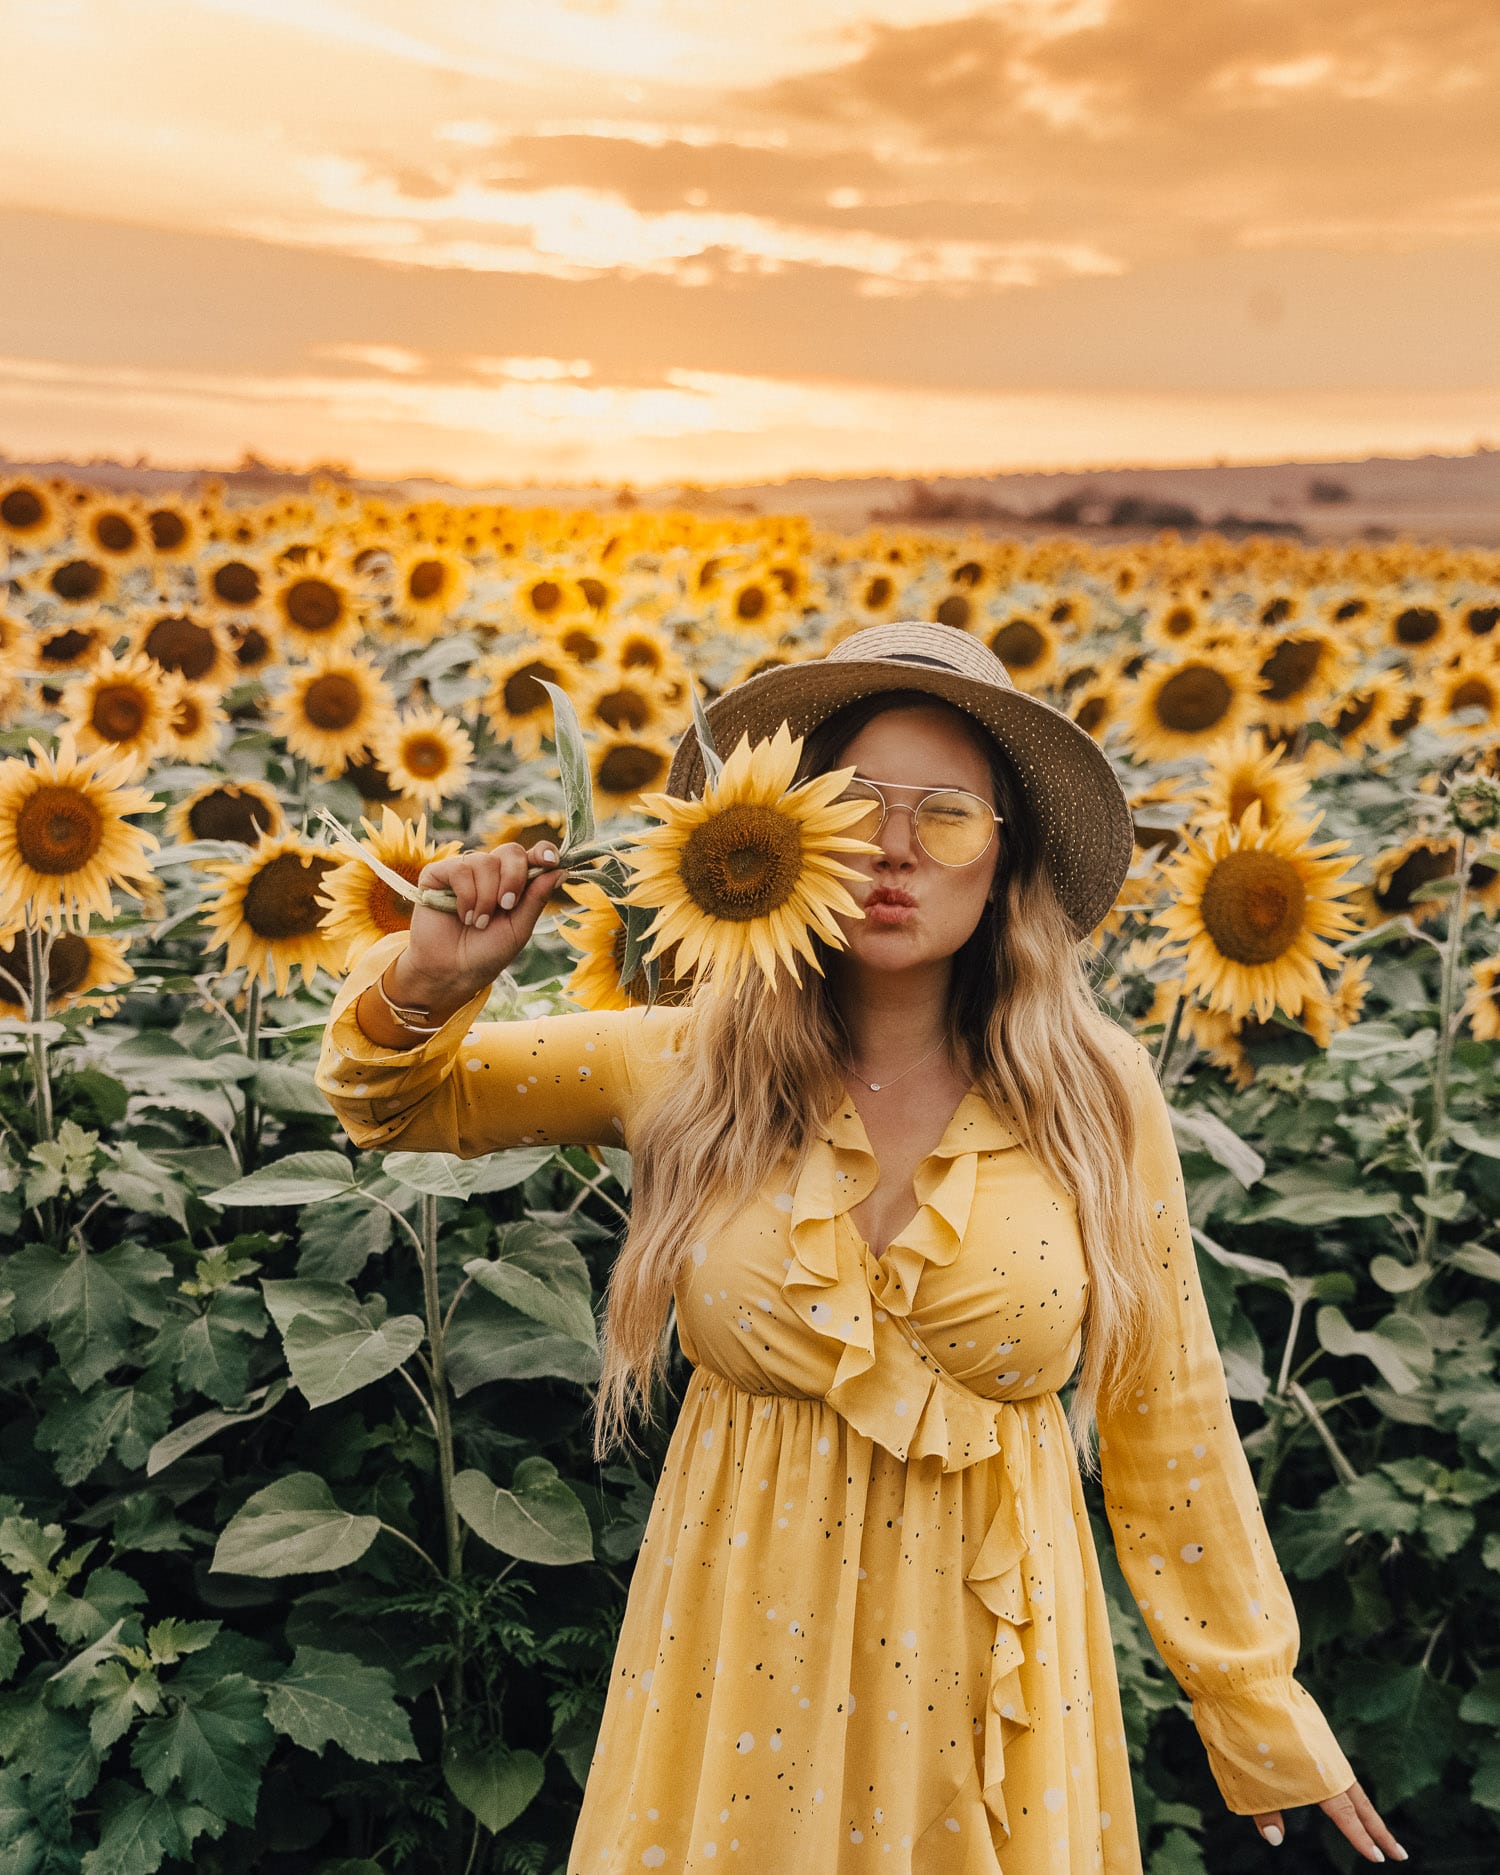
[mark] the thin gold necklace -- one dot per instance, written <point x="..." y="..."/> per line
<point x="875" y="1086"/>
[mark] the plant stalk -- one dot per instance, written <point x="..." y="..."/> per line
<point x="38" y="951"/>
<point x="250" y="1141"/>
<point x="1452" y="955"/>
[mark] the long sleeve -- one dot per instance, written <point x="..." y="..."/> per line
<point x="477" y="1087"/>
<point x="1190" y="1533"/>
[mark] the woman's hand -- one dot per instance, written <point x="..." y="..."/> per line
<point x="463" y="950"/>
<point x="1355" y="1815"/>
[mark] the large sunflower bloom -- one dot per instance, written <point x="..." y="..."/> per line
<point x="267" y="911"/>
<point x="196" y="722"/>
<point x="319" y="608"/>
<point x="65" y="842"/>
<point x="621" y="766"/>
<point x="518" y="708"/>
<point x="1255" y="907"/>
<point x="330" y="709"/>
<point x="1178" y="706"/>
<point x="31" y="514"/>
<point x="427" y="755"/>
<point x="1241" y="769"/>
<point x="196" y="649"/>
<point x="360" y="908"/>
<point x="738" y="877"/>
<point x="598" y="931"/>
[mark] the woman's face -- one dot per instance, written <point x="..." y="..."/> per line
<point x="926" y="748"/>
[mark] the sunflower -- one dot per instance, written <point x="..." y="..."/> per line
<point x="1419" y="627"/>
<point x="1241" y="769"/>
<point x="233" y="585"/>
<point x="641" y="651"/>
<point x="318" y="608"/>
<point x="196" y="722"/>
<point x="625" y="706"/>
<point x="195" y="649"/>
<point x="1470" y="682"/>
<point x="31" y="514"/>
<point x="752" y="602"/>
<point x="80" y="580"/>
<point x="427" y="756"/>
<point x="586" y="642"/>
<point x="599" y="932"/>
<point x="360" y="908"/>
<point x="1298" y="674"/>
<point x="1178" y="706"/>
<point x="1479" y="621"/>
<point x="227" y="810"/>
<point x="16" y="699"/>
<point x="65" y="841"/>
<point x="267" y="911"/>
<point x="1174" y="623"/>
<point x="428" y="585"/>
<point x="18" y="643"/>
<point x="738" y="877"/>
<point x="601" y="594"/>
<point x="1254" y="908"/>
<point x="544" y="597"/>
<point x="114" y="531"/>
<point x="621" y="766"/>
<point x="875" y="595"/>
<point x="254" y="645"/>
<point x="519" y="710"/>
<point x="1026" y="645"/>
<point x="329" y="710"/>
<point x="77" y="968"/>
<point x="120" y="705"/>
<point x="1422" y="860"/>
<point x="1359" y="718"/>
<point x="1481" y="1004"/>
<point x="176" y="531"/>
<point x="57" y="650"/>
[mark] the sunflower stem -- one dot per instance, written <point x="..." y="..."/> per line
<point x="38" y="957"/>
<point x="250" y="1138"/>
<point x="1452" y="954"/>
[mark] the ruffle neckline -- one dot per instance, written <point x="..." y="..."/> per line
<point x="887" y="1385"/>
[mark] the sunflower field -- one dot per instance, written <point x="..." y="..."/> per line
<point x="304" y="1561"/>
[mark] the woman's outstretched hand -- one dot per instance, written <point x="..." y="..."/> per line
<point x="1355" y="1815"/>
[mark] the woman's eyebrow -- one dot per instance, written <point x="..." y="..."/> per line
<point x="960" y="786"/>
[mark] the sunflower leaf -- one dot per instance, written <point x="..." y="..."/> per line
<point x="572" y="765"/>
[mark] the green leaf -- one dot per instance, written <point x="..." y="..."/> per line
<point x="282" y="1088"/>
<point x="1397" y="1278"/>
<point x="336" y="1240"/>
<point x="713" y="762"/>
<point x="572" y="765"/>
<point x="443" y="1175"/>
<point x="82" y="1430"/>
<point x="542" y="1274"/>
<point x="1206" y="1130"/>
<point x="138" y="1832"/>
<point x="1339" y="1336"/>
<point x="86" y="1301"/>
<point x="300" y="1178"/>
<point x="1472" y="1140"/>
<point x="139" y="1182"/>
<point x="292" y="1527"/>
<point x="540" y="1520"/>
<point x="335" y="1344"/>
<point x="211" y="1743"/>
<point x="489" y="1340"/>
<point x="335" y="1697"/>
<point x="204" y="1425"/>
<point x="1476" y="1260"/>
<point x="490" y="1782"/>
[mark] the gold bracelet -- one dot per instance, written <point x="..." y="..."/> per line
<point x="404" y="1016"/>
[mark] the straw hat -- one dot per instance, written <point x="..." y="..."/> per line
<point x="1088" y="835"/>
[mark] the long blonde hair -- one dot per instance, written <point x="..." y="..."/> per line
<point x="752" y="1075"/>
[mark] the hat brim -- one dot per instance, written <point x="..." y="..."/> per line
<point x="1088" y="832"/>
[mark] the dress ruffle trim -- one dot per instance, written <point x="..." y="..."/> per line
<point x="889" y="1388"/>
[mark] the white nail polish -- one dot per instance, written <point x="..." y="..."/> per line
<point x="1272" y="1834"/>
<point x="1379" y="1856"/>
<point x="468" y="917"/>
<point x="507" y="899"/>
<point x="481" y="921"/>
<point x="548" y="853"/>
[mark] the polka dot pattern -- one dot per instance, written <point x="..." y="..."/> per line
<point x="866" y="1627"/>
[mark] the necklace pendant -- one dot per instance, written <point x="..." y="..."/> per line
<point x="874" y="1086"/>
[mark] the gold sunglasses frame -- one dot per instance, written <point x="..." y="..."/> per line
<point x="914" y="808"/>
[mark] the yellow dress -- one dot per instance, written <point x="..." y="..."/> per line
<point x="866" y="1629"/>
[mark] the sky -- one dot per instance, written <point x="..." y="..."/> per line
<point x="653" y="240"/>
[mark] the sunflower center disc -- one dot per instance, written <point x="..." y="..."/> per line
<point x="1253" y="906"/>
<point x="225" y="816"/>
<point x="314" y="605"/>
<point x="58" y="830"/>
<point x="332" y="702"/>
<point x="280" y="901"/>
<point x="177" y="644"/>
<point x="743" y="863"/>
<point x="118" y="713"/>
<point x="426" y="580"/>
<point x="425" y="755"/>
<point x="1194" y="699"/>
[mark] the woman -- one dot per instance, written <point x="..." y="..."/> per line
<point x="867" y="1628"/>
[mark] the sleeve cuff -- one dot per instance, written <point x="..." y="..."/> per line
<point x="350" y="1039"/>
<point x="1270" y="1747"/>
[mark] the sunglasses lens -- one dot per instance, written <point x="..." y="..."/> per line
<point x="955" y="828"/>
